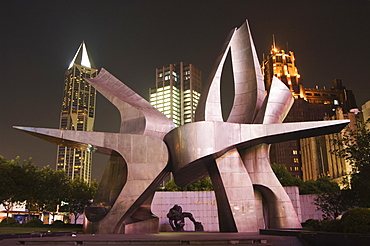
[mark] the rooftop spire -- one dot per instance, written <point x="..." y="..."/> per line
<point x="82" y="57"/>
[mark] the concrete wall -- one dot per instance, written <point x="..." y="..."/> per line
<point x="203" y="206"/>
<point x="310" y="211"/>
<point x="293" y="193"/>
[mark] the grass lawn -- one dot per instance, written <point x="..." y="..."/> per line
<point x="18" y="229"/>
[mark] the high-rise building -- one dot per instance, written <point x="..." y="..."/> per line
<point x="282" y="65"/>
<point x="318" y="153"/>
<point x="309" y="104"/>
<point x="78" y="113"/>
<point x="177" y="92"/>
<point x="366" y="112"/>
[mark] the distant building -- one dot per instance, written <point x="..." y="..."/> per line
<point x="366" y="112"/>
<point x="318" y="157"/>
<point x="78" y="113"/>
<point x="177" y="92"/>
<point x="310" y="104"/>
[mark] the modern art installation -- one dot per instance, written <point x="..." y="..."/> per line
<point x="235" y="153"/>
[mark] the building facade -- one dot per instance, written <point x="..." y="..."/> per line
<point x="177" y="92"/>
<point x="306" y="158"/>
<point x="324" y="162"/>
<point x="78" y="113"/>
<point x="366" y="113"/>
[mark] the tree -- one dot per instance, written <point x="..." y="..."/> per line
<point x="284" y="176"/>
<point x="53" y="185"/>
<point x="319" y="186"/>
<point x="355" y="148"/>
<point x="10" y="189"/>
<point x="79" y="195"/>
<point x="204" y="184"/>
<point x="334" y="203"/>
<point x="31" y="185"/>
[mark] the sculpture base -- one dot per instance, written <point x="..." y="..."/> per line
<point x="150" y="226"/>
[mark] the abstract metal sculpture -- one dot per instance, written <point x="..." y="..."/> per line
<point x="235" y="154"/>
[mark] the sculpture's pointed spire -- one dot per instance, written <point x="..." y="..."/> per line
<point x="82" y="57"/>
<point x="248" y="79"/>
<point x="209" y="106"/>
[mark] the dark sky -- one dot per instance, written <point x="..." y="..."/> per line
<point x="38" y="39"/>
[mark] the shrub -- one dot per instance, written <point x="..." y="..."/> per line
<point x="356" y="220"/>
<point x="34" y="223"/>
<point x="9" y="221"/>
<point x="58" y="223"/>
<point x="331" y="226"/>
<point x="311" y="224"/>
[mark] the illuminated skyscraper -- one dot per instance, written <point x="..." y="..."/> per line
<point x="78" y="112"/>
<point x="282" y="65"/>
<point x="177" y="92"/>
<point x="366" y="112"/>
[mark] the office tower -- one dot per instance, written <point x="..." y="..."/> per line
<point x="318" y="158"/>
<point x="366" y="112"/>
<point x="282" y="65"/>
<point x="177" y="92"/>
<point x="78" y="112"/>
<point x="310" y="104"/>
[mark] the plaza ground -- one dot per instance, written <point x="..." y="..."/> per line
<point x="164" y="238"/>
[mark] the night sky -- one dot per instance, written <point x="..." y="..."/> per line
<point x="38" y="40"/>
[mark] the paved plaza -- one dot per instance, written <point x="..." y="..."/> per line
<point x="166" y="238"/>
